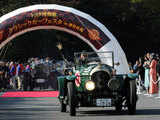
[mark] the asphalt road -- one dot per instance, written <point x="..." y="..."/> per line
<point x="148" y="108"/>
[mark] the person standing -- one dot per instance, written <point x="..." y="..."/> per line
<point x="6" y="75"/>
<point x="12" y="72"/>
<point x="27" y="79"/>
<point x="158" y="72"/>
<point x="153" y="75"/>
<point x="19" y="71"/>
<point x="137" y="68"/>
<point x="147" y="72"/>
<point x="2" y="80"/>
<point x="130" y="67"/>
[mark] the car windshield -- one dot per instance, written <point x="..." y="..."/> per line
<point x="94" y="58"/>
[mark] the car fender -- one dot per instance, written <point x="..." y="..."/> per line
<point x="61" y="86"/>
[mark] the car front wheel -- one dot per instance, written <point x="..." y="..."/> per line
<point x="119" y="107"/>
<point x="131" y="97"/>
<point x="63" y="106"/>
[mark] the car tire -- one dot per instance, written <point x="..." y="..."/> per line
<point x="131" y="97"/>
<point x="63" y="106"/>
<point x="118" y="107"/>
<point x="71" y="98"/>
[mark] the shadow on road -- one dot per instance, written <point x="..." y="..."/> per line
<point x="124" y="112"/>
<point x="101" y="113"/>
<point x="148" y="112"/>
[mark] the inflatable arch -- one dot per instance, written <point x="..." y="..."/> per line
<point x="65" y="19"/>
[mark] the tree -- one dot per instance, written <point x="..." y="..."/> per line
<point x="132" y="22"/>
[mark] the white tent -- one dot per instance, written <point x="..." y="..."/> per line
<point x="112" y="45"/>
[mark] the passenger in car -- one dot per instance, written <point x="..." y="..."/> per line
<point x="83" y="59"/>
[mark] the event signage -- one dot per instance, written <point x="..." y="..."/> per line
<point x="67" y="19"/>
<point x="53" y="17"/>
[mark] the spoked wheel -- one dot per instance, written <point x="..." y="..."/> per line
<point x="71" y="98"/>
<point x="131" y="97"/>
<point x="63" y="106"/>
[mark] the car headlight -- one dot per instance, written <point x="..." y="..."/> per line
<point x="90" y="85"/>
<point x="114" y="84"/>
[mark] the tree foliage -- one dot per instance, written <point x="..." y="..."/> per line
<point x="133" y="22"/>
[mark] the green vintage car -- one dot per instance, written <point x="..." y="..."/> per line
<point x="91" y="83"/>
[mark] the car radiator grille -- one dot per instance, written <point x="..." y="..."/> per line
<point x="101" y="79"/>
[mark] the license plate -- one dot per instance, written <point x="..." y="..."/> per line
<point x="40" y="80"/>
<point x="103" y="102"/>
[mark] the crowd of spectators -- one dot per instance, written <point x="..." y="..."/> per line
<point x="148" y="69"/>
<point x="12" y="73"/>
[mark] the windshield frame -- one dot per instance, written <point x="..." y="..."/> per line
<point x="108" y="56"/>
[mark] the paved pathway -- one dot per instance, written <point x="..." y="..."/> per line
<point x="47" y="108"/>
